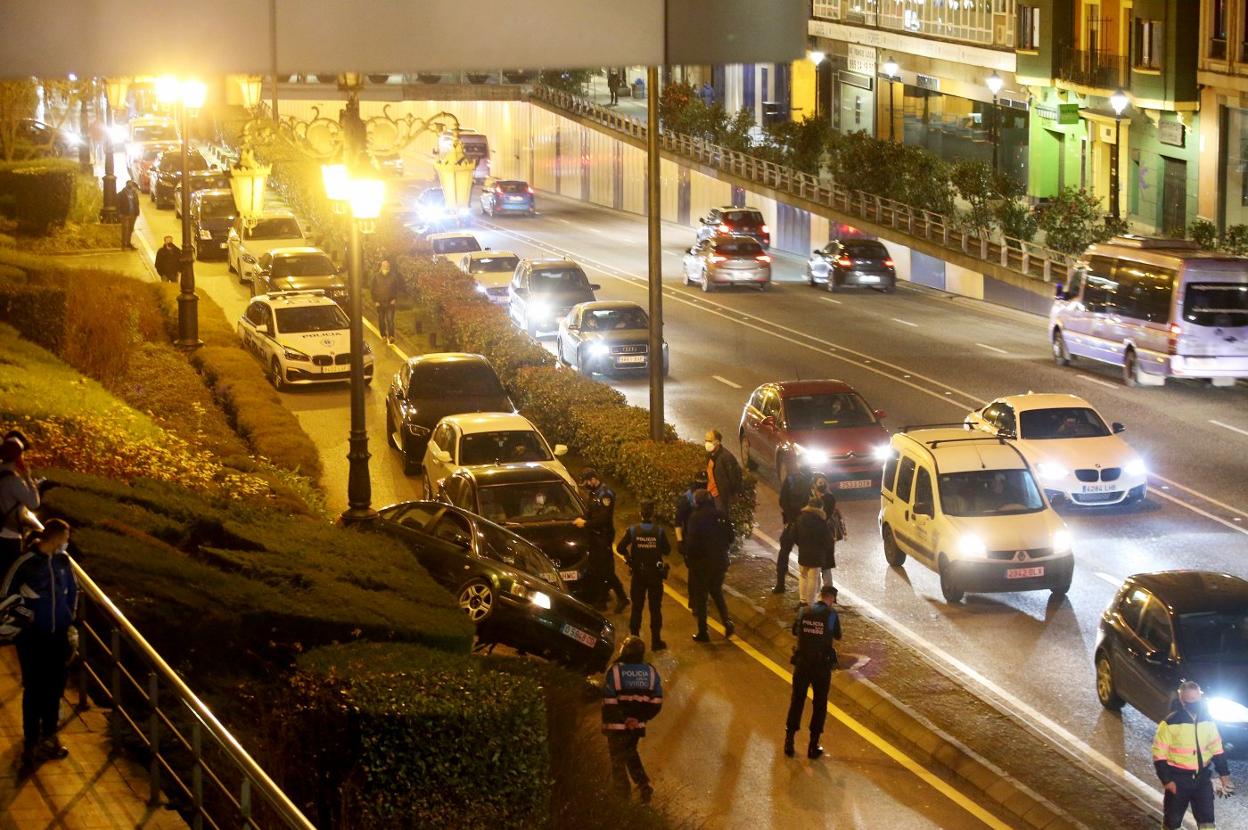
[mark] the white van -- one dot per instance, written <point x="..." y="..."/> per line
<point x="967" y="506"/>
<point x="1157" y="308"/>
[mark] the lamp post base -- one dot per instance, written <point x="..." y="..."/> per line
<point x="188" y="322"/>
<point x="358" y="516"/>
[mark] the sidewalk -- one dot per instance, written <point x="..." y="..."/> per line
<point x="90" y="789"/>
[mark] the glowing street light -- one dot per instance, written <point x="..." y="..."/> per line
<point x="1119" y="102"/>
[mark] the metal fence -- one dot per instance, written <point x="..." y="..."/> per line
<point x="192" y="757"/>
<point x="1025" y="258"/>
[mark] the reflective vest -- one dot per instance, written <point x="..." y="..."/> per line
<point x="1187" y="744"/>
<point x="630" y="692"/>
<point x="814" y="635"/>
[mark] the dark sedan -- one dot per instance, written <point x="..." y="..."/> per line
<point x="299" y="269"/>
<point x="505" y="585"/>
<point x="141" y="157"/>
<point x="428" y="388"/>
<point x="166" y="172"/>
<point x="841" y="263"/>
<point x="199" y="180"/>
<point x="531" y="500"/>
<point x="212" y="213"/>
<point x="507" y="196"/>
<point x="1166" y="627"/>
<point x="606" y="337"/>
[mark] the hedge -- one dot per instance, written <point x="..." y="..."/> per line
<point x="568" y="407"/>
<point x="36" y="311"/>
<point x="38" y="193"/>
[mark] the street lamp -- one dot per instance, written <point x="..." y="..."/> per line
<point x="890" y="71"/>
<point x="115" y="91"/>
<point x="1119" y="101"/>
<point x="816" y="57"/>
<point x="189" y="96"/>
<point x="995" y="82"/>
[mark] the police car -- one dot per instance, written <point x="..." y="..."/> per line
<point x="300" y="338"/>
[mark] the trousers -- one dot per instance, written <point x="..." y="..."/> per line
<point x="817" y="677"/>
<point x="602" y="578"/>
<point x="1193" y="791"/>
<point x="385" y="319"/>
<point x="42" y="658"/>
<point x="646" y="587"/>
<point x="127" y="230"/>
<point x="707" y="580"/>
<point x="625" y="761"/>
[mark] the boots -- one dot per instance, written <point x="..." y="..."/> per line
<point x="657" y="644"/>
<point x="813" y="751"/>
<point x="789" y="750"/>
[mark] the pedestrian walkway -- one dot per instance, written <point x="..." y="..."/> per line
<point x="91" y="789"/>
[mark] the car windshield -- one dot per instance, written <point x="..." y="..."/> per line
<point x="493" y="264"/>
<point x="609" y="319"/>
<point x="502" y="447"/>
<point x="311" y="318"/>
<point x="456" y="245"/>
<point x="559" y="279"/>
<point x="153" y="132"/>
<point x="1061" y="422"/>
<point x="989" y="493"/>
<point x="303" y="265"/>
<point x="458" y="379"/>
<point x="222" y="208"/>
<point x="283" y="228"/>
<point x="512" y="187"/>
<point x="506" y="547"/>
<point x="738" y="248"/>
<point x="744" y="218"/>
<point x="171" y="162"/>
<point x="1214" y="634"/>
<point x="865" y="249"/>
<point x="834" y="411"/>
<point x="1218" y="304"/>
<point x="530" y="501"/>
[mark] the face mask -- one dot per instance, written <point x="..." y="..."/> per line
<point x="710" y="446"/>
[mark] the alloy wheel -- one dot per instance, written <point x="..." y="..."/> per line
<point x="477" y="601"/>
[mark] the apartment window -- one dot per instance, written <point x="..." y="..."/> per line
<point x="972" y="21"/>
<point x="827" y="9"/>
<point x="1148" y="44"/>
<point x="1028" y="28"/>
<point x="1217" y="31"/>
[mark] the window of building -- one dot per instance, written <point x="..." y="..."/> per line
<point x="1217" y="31"/>
<point x="827" y="9"/>
<point x="973" y="21"/>
<point x="1148" y="44"/>
<point x="1028" y="28"/>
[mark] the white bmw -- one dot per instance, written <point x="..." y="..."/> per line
<point x="300" y="338"/>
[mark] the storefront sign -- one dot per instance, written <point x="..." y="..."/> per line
<point x="855" y="79"/>
<point x="927" y="82"/>
<point x="860" y="59"/>
<point x="1171" y="132"/>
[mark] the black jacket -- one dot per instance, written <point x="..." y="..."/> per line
<point x="387" y="287"/>
<point x="708" y="538"/>
<point x="168" y="258"/>
<point x="727" y="473"/>
<point x="810" y="532"/>
<point x="795" y="493"/>
<point x="128" y="201"/>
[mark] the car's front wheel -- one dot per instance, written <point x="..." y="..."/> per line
<point x="893" y="555"/>
<point x="477" y="600"/>
<point x="276" y="375"/>
<point x="951" y="592"/>
<point x="1061" y="354"/>
<point x="1106" y="689"/>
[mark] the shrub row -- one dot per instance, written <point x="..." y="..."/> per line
<point x="568" y="407"/>
<point x="39" y="193"/>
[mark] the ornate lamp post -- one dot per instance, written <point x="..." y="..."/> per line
<point x="995" y="82"/>
<point x="455" y="171"/>
<point x="115" y="90"/>
<point x="189" y="96"/>
<point x="1119" y="101"/>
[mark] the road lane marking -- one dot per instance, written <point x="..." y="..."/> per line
<point x="991" y="348"/>
<point x="830" y="300"/>
<point x="1112" y="580"/>
<point x="1228" y="426"/>
<point x="726" y="382"/>
<point x="905" y="322"/>
<point x="1098" y="381"/>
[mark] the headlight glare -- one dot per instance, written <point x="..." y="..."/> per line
<point x="1226" y="710"/>
<point x="1062" y="541"/>
<point x="599" y="350"/>
<point x="540" y="599"/>
<point x="1136" y="467"/>
<point x="882" y="452"/>
<point x="971" y="546"/>
<point x="1050" y="471"/>
<point x="811" y="456"/>
<point x="539" y="310"/>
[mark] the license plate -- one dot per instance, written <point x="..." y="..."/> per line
<point x="569" y="576"/>
<point x="1024" y="573"/>
<point x="578" y="635"/>
<point x="631" y="358"/>
<point x="857" y="484"/>
<point x="1098" y="488"/>
<point x="515" y="198"/>
<point x="868" y="278"/>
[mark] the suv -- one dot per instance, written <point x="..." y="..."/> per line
<point x="298" y="269"/>
<point x="735" y="221"/>
<point x="543" y="291"/>
<point x="277" y="228"/>
<point x="507" y="196"/>
<point x="300" y="337"/>
<point x="967" y="506"/>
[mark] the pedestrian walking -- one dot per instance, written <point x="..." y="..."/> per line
<point x="387" y="287"/>
<point x="795" y="492"/>
<point x="169" y="261"/>
<point x="1186" y="751"/>
<point x="128" y="211"/>
<point x="836" y="524"/>
<point x="685" y="505"/>
<point x="645" y="547"/>
<point x="816" y="628"/>
<point x="45" y="579"/>
<point x="723" y="473"/>
<point x="601" y="525"/>
<point x="19" y="493"/>
<point x="632" y="694"/>
<point x="813" y="539"/>
<point x="706" y="553"/>
<point x="613" y="85"/>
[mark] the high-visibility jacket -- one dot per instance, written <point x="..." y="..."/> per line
<point x="1187" y="743"/>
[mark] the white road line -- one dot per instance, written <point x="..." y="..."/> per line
<point x="830" y="300"/>
<point x="1228" y="426"/>
<point x="991" y="348"/>
<point x="726" y="382"/>
<point x="1098" y="381"/>
<point x="905" y="322"/>
<point x="1112" y="580"/>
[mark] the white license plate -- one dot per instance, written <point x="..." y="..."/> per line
<point x="868" y="278"/>
<point x="631" y="358"/>
<point x="1098" y="488"/>
<point x="857" y="484"/>
<point x="515" y="198"/>
<point x="578" y="635"/>
<point x="569" y="576"/>
<point x="1024" y="573"/>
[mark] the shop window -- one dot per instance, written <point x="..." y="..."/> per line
<point x="1028" y="28"/>
<point x="1148" y="44"/>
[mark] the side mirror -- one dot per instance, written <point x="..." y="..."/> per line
<point x="561" y="449"/>
<point x="689" y="250"/>
<point x="266" y="329"/>
<point x="593" y="286"/>
<point x="486" y="248"/>
<point x="924" y="508"/>
<point x="880" y="414"/>
<point x="1118" y="427"/>
<point x="1005" y="432"/>
<point x="441" y="456"/>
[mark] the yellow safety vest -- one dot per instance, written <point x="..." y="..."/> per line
<point x="1175" y="743"/>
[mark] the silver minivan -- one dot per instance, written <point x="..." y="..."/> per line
<point x="1157" y="308"/>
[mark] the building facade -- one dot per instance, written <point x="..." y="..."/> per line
<point x="1223" y="133"/>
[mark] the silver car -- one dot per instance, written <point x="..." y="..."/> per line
<point x="728" y="260"/>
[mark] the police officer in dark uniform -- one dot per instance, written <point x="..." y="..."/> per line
<point x="814" y="658"/>
<point x="601" y="525"/>
<point x="644" y="547"/>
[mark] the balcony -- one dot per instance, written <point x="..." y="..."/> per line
<point x="1100" y="70"/>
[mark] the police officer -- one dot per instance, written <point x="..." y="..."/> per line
<point x="644" y="547"/>
<point x="685" y="505"/>
<point x="601" y="526"/>
<point x="1186" y="746"/>
<point x="632" y="694"/>
<point x="814" y="658"/>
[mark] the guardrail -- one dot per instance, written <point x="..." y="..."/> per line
<point x="1025" y="258"/>
<point x="148" y="699"/>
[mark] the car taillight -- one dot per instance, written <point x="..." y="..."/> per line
<point x="724" y="228"/>
<point x="1172" y="344"/>
<point x="766" y="229"/>
<point x="530" y="190"/>
<point x="763" y="258"/>
<point x="718" y="258"/>
<point x="888" y="263"/>
<point x="499" y="191"/>
<point x="844" y="262"/>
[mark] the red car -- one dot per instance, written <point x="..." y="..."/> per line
<point x="822" y="424"/>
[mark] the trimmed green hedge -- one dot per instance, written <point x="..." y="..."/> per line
<point x="39" y="193"/>
<point x="36" y="311"/>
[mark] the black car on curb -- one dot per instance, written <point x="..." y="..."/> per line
<point x="431" y="386"/>
<point x="212" y="213"/>
<point x="507" y="495"/>
<point x="505" y="585"/>
<point x="1169" y="626"/>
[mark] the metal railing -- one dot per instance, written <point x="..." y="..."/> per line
<point x="150" y="701"/>
<point x="1102" y="70"/>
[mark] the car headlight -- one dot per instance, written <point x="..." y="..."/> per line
<point x="248" y="258"/>
<point x="117" y="133"/>
<point x="971" y="546"/>
<point x="1051" y="472"/>
<point x="481" y="289"/>
<point x="294" y="354"/>
<point x="539" y="310"/>
<point x="1226" y="710"/>
<point x="1062" y="541"/>
<point x="540" y="599"/>
<point x="882" y="453"/>
<point x="72" y="139"/>
<point x="599" y="350"/>
<point x="811" y="456"/>
<point x="1136" y="467"/>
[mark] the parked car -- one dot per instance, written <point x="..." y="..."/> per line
<point x="35" y="138"/>
<point x="143" y="129"/>
<point x="448" y="245"/>
<point x="852" y="261"/>
<point x="537" y="503"/>
<point x="507" y="196"/>
<point x="300" y="338"/>
<point x="141" y="156"/>
<point x="487" y="439"/>
<point x="822" y="425"/>
<point x="1076" y="455"/>
<point x="967" y="506"/>
<point x="493" y="271"/>
<point x="212" y="214"/>
<point x="299" y="269"/>
<point x="727" y="260"/>
<point x="505" y="584"/>
<point x="735" y="221"/>
<point x="166" y="172"/>
<point x="199" y="180"/>
<point x="276" y="228"/>
<point x="431" y="386"/>
<point x="606" y="338"/>
<point x="1165" y="627"/>
<point x="543" y="291"/>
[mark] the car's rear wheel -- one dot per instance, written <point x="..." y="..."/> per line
<point x="477" y="599"/>
<point x="831" y="285"/>
<point x="764" y="286"/>
<point x="1106" y="689"/>
<point x="1130" y="368"/>
<point x="747" y="457"/>
<point x="276" y="376"/>
<point x="688" y="281"/>
<point x="706" y="282"/>
<point x="810" y="276"/>
<point x="951" y="592"/>
<point x="1061" y="354"/>
<point x="229" y="263"/>
<point x="893" y="555"/>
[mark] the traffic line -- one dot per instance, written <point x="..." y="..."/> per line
<point x="905" y="322"/>
<point x="831" y="300"/>
<point x="1228" y="426"/>
<point x="1098" y="381"/>
<point x="991" y="348"/>
<point x="726" y="382"/>
<point x="1104" y="577"/>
